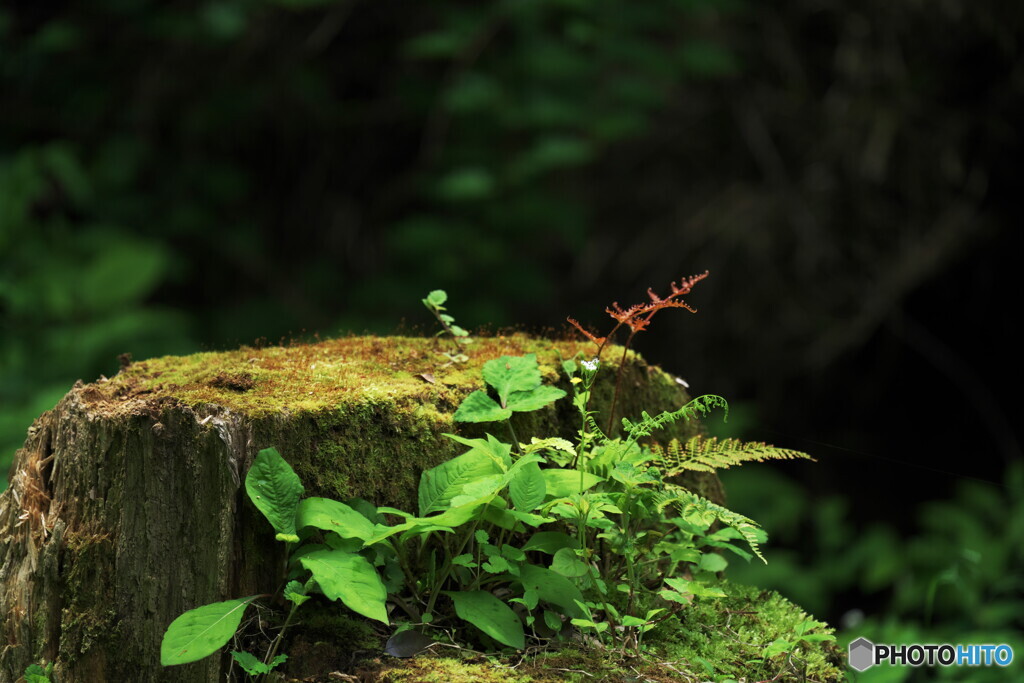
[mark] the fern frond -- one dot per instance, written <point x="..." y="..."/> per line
<point x="708" y="454"/>
<point x="698" y="407"/>
<point x="694" y="507"/>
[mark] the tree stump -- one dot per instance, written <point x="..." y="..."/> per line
<point x="126" y="506"/>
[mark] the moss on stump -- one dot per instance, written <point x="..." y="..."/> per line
<point x="126" y="507"/>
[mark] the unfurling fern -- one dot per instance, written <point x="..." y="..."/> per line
<point x="702" y="512"/>
<point x="708" y="454"/>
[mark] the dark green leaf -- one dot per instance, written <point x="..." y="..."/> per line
<point x="490" y="615"/>
<point x="275" y="489"/>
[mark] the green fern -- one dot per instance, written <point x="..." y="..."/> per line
<point x="708" y="454"/>
<point x="699" y="510"/>
<point x="698" y="407"/>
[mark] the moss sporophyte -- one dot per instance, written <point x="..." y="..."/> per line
<point x="530" y="541"/>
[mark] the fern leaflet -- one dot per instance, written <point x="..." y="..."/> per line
<point x="697" y="509"/>
<point x="708" y="454"/>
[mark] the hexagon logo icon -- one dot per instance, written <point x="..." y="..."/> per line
<point x="861" y="654"/>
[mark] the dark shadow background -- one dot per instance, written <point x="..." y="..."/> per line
<point x="197" y="175"/>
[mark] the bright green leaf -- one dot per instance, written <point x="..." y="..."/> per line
<point x="534" y="399"/>
<point x="479" y="407"/>
<point x="527" y="488"/>
<point x="350" y="578"/>
<point x="440" y="484"/>
<point x="202" y="631"/>
<point x="330" y="515"/>
<point x="275" y="489"/>
<point x="562" y="482"/>
<point x="567" y="563"/>
<point x="510" y="374"/>
<point x="713" y="562"/>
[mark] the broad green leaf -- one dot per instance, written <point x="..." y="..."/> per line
<point x="478" y="488"/>
<point x="510" y="374"/>
<point x="713" y="562"/>
<point x="567" y="563"/>
<point x="490" y="615"/>
<point x="534" y="399"/>
<point x="551" y="542"/>
<point x="552" y="620"/>
<point x="454" y="516"/>
<point x="202" y="631"/>
<point x="493" y="448"/>
<point x="527" y="488"/>
<point x="479" y="407"/>
<point x="350" y="578"/>
<point x="330" y="515"/>
<point x="275" y="489"/>
<point x="552" y="588"/>
<point x="562" y="482"/>
<point x="436" y="298"/>
<point x="440" y="484"/>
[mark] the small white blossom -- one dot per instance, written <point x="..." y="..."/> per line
<point x="590" y="365"/>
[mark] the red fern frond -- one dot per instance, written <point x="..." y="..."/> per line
<point x="594" y="338"/>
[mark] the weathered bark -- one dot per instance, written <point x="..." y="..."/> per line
<point x="126" y="506"/>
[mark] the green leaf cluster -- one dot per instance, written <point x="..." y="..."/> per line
<point x="512" y="542"/>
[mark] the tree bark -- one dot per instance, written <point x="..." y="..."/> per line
<point x="126" y="505"/>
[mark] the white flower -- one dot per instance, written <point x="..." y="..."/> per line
<point x="590" y="365"/>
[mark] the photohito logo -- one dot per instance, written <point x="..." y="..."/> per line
<point x="863" y="654"/>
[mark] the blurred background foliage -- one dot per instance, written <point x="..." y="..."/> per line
<point x="198" y="175"/>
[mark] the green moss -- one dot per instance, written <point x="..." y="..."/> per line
<point x="89" y="621"/>
<point x="711" y="640"/>
<point x="726" y="637"/>
<point x="445" y="670"/>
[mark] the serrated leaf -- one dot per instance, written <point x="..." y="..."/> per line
<point x="295" y="592"/>
<point x="563" y="482"/>
<point x="330" y="515"/>
<point x="202" y="631"/>
<point x="510" y="374"/>
<point x="490" y="615"/>
<point x="479" y="407"/>
<point x="350" y="578"/>
<point x="439" y="485"/>
<point x="534" y="399"/>
<point x="275" y="489"/>
<point x="527" y="488"/>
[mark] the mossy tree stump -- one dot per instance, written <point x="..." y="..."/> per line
<point x="126" y="506"/>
